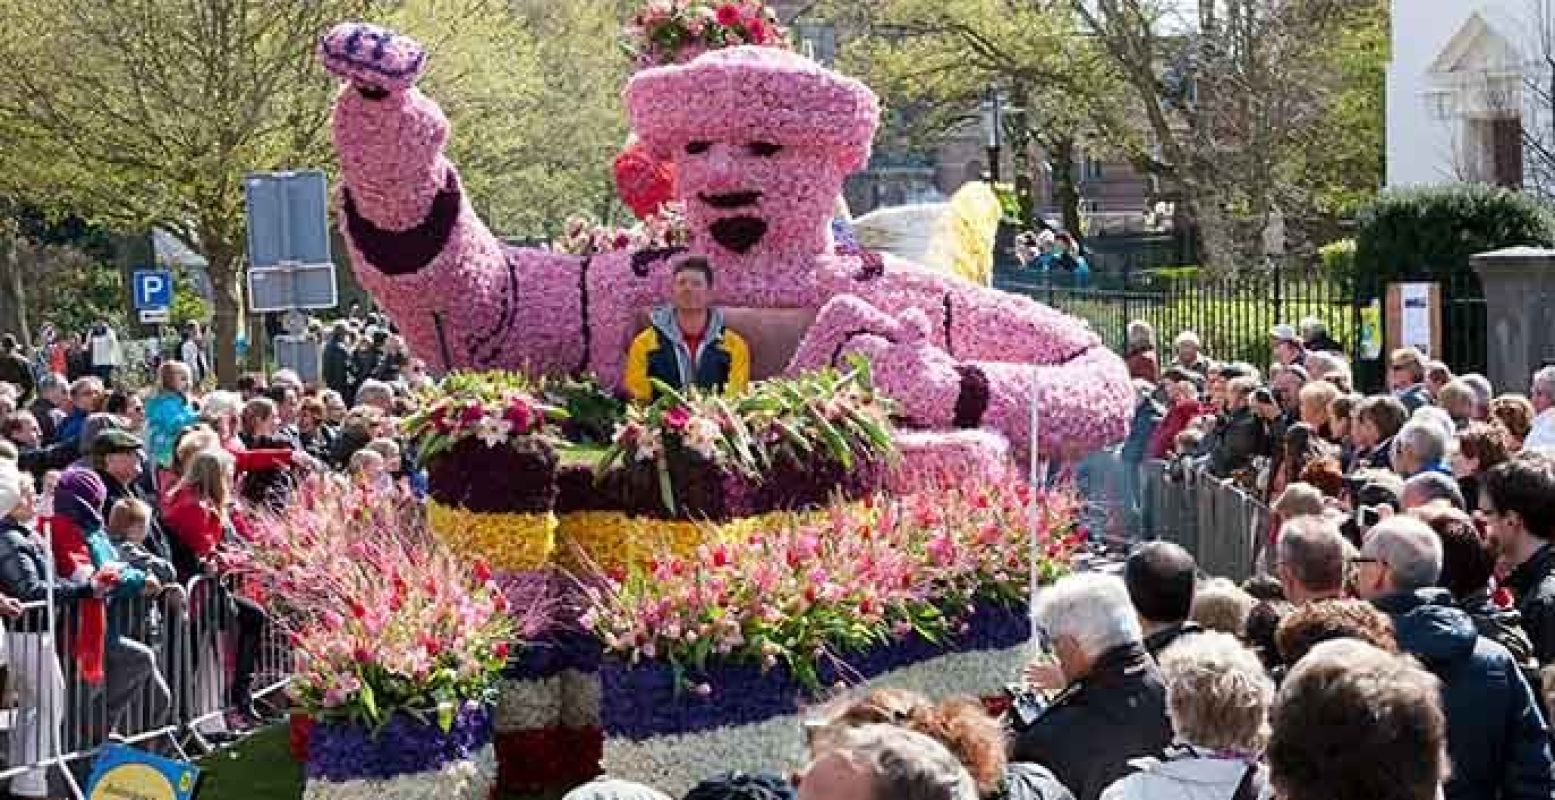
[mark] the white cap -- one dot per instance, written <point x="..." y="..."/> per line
<point x="1186" y="337"/>
<point x="1284" y="333"/>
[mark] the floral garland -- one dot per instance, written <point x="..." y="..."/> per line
<point x="676" y="31"/>
<point x="679" y="748"/>
<point x="822" y="416"/>
<point x="470" y="779"/>
<point x="494" y="408"/>
<point x="871" y="574"/>
<point x="509" y="542"/>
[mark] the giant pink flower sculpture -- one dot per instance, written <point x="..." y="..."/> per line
<point x="762" y="140"/>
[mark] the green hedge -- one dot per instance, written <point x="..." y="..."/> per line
<point x="1431" y="232"/>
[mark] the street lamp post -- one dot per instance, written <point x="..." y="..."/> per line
<point x="993" y="128"/>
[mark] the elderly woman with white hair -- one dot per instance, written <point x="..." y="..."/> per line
<point x="1187" y="350"/>
<point x="1112" y="705"/>
<point x="1218" y="697"/>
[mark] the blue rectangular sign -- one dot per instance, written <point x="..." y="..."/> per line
<point x="153" y="289"/>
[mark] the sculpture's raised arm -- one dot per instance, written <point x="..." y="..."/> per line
<point x="416" y="242"/>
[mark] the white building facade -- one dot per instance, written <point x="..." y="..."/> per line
<point x="1469" y="92"/>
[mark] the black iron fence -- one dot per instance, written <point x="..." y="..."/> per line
<point x="1233" y="315"/>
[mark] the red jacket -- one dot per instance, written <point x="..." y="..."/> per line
<point x="1164" y="437"/>
<point x="192" y="522"/>
<point x="246" y="460"/>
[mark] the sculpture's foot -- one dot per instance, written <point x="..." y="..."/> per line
<point x="937" y="457"/>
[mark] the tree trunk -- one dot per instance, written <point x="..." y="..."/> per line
<point x="13" y="292"/>
<point x="225" y="269"/>
<point x="1066" y="190"/>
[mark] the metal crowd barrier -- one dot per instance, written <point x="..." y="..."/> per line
<point x="167" y="666"/>
<point x="1222" y="525"/>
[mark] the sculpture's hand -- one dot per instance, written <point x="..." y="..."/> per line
<point x="908" y="367"/>
<point x="374" y="59"/>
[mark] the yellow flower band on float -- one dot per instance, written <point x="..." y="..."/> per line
<point x="613" y="539"/>
<point x="506" y="542"/>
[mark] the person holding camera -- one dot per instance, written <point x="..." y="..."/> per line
<point x="1110" y="703"/>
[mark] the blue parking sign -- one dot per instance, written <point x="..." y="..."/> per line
<point x="153" y="289"/>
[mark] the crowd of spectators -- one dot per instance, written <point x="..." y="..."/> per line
<point x="155" y="486"/>
<point x="1406" y="596"/>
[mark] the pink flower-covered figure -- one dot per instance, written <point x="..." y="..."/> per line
<point x="762" y="140"/>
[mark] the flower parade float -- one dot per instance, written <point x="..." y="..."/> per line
<point x="398" y="646"/>
<point x="711" y="567"/>
<point x="761" y="140"/>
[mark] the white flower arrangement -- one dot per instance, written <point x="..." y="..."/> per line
<point x="462" y="780"/>
<point x="673" y="764"/>
<point x="527" y="705"/>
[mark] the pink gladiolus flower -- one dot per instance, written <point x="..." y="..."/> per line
<point x="677" y="418"/>
<point x="728" y="15"/>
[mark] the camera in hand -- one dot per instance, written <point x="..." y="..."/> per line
<point x="1026" y="706"/>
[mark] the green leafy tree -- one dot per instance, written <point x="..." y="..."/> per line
<point x="143" y="113"/>
<point x="932" y="60"/>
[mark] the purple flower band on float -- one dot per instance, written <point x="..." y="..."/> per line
<point x="642" y="702"/>
<point x="404" y="746"/>
<point x="704" y="492"/>
<point x="498" y="480"/>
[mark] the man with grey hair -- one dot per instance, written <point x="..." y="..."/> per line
<point x="1496" y="738"/>
<point x="1112" y="707"/>
<point x="1311" y="557"/>
<point x="1420" y="446"/>
<point x="1430" y="487"/>
<point x="1542" y="394"/>
<point x="886" y="762"/>
<point x="1315" y="338"/>
<point x="377" y="394"/>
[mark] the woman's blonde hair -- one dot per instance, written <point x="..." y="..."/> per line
<point x="167" y="374"/>
<point x="209" y="474"/>
<point x="1217" y="693"/>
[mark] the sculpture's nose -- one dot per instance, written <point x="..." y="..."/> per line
<point x="723" y="168"/>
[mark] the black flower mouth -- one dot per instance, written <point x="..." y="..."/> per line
<point x="730" y="200"/>
<point x="738" y="234"/>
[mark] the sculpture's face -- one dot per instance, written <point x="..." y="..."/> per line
<point x="750" y="196"/>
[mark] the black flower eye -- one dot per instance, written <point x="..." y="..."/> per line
<point x="697" y="148"/>
<point x="765" y="149"/>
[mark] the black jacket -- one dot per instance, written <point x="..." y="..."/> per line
<point x="337" y="368"/>
<point x="24" y="576"/>
<point x="156" y="538"/>
<point x="1496" y="738"/>
<point x="1241" y="438"/>
<point x="1156" y="643"/>
<point x="1533" y="584"/>
<point x="1088" y="735"/>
